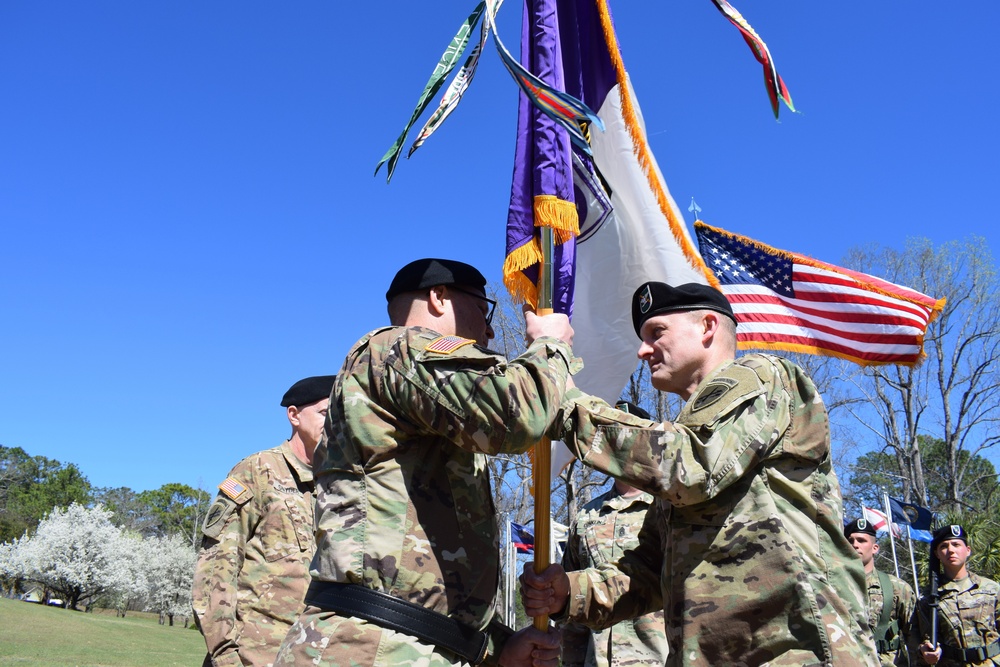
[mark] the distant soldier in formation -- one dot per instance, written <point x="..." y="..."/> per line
<point x="968" y="609"/>
<point x="744" y="550"/>
<point x="890" y="599"/>
<point x="407" y="562"/>
<point x="605" y="528"/>
<point x="253" y="566"/>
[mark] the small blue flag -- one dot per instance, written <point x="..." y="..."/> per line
<point x="522" y="538"/>
<point x="908" y="514"/>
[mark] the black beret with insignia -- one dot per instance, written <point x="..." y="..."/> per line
<point x="952" y="532"/>
<point x="859" y="526"/>
<point x="655" y="298"/>
<point x="424" y="273"/>
<point x="308" y="390"/>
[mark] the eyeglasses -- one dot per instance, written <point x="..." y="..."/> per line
<point x="491" y="302"/>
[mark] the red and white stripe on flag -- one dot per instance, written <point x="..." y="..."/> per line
<point x="787" y="301"/>
<point x="876" y="519"/>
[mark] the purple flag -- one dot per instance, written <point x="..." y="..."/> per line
<point x="630" y="229"/>
<point x="542" y="185"/>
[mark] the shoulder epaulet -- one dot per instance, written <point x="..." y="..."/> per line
<point x="447" y="344"/>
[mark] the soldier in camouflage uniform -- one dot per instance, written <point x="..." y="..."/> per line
<point x="253" y="567"/>
<point x="407" y="563"/>
<point x="968" y="611"/>
<point x="888" y="616"/>
<point x="744" y="550"/>
<point x="606" y="527"/>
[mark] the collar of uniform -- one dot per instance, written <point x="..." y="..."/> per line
<point x="714" y="372"/>
<point x="302" y="470"/>
<point x="960" y="585"/>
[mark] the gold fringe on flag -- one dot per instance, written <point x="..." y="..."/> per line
<point x="548" y="211"/>
<point x="641" y="149"/>
<point x="559" y="214"/>
<point x="521" y="289"/>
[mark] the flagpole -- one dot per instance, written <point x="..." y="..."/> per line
<point x="511" y="576"/>
<point x="892" y="539"/>
<point x="913" y="561"/>
<point x="543" y="448"/>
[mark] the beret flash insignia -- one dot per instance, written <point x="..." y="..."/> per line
<point x="645" y="300"/>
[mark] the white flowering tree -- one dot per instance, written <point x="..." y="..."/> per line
<point x="132" y="588"/>
<point x="76" y="552"/>
<point x="169" y="569"/>
<point x="11" y="568"/>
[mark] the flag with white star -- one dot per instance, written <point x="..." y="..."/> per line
<point x="786" y="301"/>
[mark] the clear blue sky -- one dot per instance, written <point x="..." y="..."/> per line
<point x="189" y="221"/>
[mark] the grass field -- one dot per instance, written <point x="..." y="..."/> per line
<point x="35" y="636"/>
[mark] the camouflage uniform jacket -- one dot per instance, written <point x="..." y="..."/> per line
<point x="747" y="539"/>
<point x="253" y="567"/>
<point x="404" y="502"/>
<point x="968" y="613"/>
<point x="900" y="610"/>
<point x="606" y="527"/>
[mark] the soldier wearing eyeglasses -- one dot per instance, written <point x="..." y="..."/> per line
<point x="407" y="562"/>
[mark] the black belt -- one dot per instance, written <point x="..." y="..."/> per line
<point x="971" y="655"/>
<point x="399" y="615"/>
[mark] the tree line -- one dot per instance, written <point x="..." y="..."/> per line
<point x="30" y="486"/>
<point x="111" y="547"/>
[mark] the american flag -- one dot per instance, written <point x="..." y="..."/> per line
<point x="786" y="301"/>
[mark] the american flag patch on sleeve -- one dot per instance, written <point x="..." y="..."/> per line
<point x="232" y="488"/>
<point x="448" y="344"/>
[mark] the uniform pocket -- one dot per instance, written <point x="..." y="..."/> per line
<point x="285" y="532"/>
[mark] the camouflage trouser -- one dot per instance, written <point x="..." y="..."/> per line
<point x="324" y="639"/>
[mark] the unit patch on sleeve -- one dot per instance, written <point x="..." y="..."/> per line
<point x="737" y="383"/>
<point x="712" y="392"/>
<point x="218" y="514"/>
<point x="235" y="490"/>
<point x="447" y="344"/>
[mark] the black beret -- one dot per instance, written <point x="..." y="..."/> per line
<point x="632" y="409"/>
<point x="952" y="532"/>
<point x="654" y="298"/>
<point x="424" y="273"/>
<point x="859" y="526"/>
<point x="308" y="390"/>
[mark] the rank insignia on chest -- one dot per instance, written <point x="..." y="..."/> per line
<point x="233" y="488"/>
<point x="447" y="344"/>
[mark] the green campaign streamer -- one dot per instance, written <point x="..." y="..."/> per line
<point x="445" y="65"/>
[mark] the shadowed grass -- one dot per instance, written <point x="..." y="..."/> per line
<point x="32" y="635"/>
